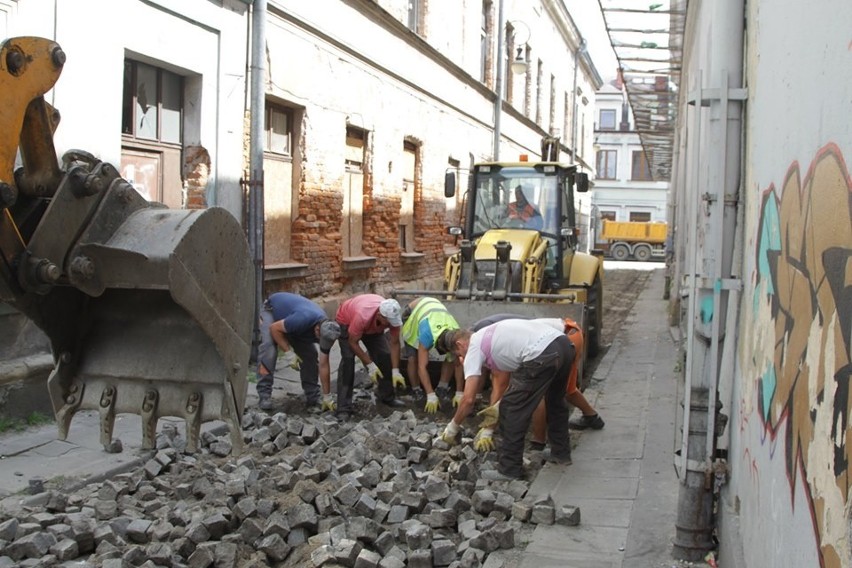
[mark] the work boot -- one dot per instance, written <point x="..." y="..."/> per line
<point x="595" y="422"/>
<point x="537" y="446"/>
<point x="266" y="403"/>
<point x="497" y="475"/>
<point x="563" y="460"/>
<point x="418" y="394"/>
<point x="443" y="391"/>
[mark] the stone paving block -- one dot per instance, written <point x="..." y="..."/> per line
<point x="418" y="536"/>
<point x="302" y="515"/>
<point x="297" y="537"/>
<point x="384" y="542"/>
<point x="543" y="514"/>
<point x="421" y="558"/>
<point x="397" y="514"/>
<point x="483" y="501"/>
<point x="522" y="511"/>
<point x="365" y="505"/>
<point x="216" y="525"/>
<point x="381" y="512"/>
<point x="414" y="500"/>
<point x="137" y="531"/>
<point x="391" y="562"/>
<point x="275" y="548"/>
<point x="443" y="552"/>
<point x="197" y="532"/>
<point x="159" y="553"/>
<point x="367" y="559"/>
<point x="347" y="551"/>
<point x="347" y="495"/>
<point x="568" y="515"/>
<point x="251" y="529"/>
<point x="441" y="518"/>
<point x="9" y="529"/>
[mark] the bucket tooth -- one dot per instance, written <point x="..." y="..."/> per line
<point x="71" y="400"/>
<point x="106" y="408"/>
<point x="193" y="421"/>
<point x="149" y="419"/>
<point x="232" y="417"/>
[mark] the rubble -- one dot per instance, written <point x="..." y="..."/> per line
<point x="383" y="492"/>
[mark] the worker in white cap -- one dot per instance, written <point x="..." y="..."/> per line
<point x="364" y="319"/>
<point x="293" y="324"/>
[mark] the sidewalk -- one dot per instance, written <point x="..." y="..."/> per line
<point x="622" y="478"/>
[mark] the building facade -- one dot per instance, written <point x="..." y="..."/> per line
<point x="376" y="101"/>
<point x="624" y="186"/>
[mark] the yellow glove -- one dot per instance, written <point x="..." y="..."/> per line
<point x="490" y="415"/>
<point x="431" y="403"/>
<point x="450" y="433"/>
<point x="458" y="398"/>
<point x="292" y="360"/>
<point x="397" y="379"/>
<point x="328" y="402"/>
<point x="484" y="440"/>
<point x="374" y="373"/>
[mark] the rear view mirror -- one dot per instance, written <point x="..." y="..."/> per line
<point x="581" y="182"/>
<point x="449" y="184"/>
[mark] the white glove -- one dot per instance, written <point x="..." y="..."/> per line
<point x="431" y="403"/>
<point x="373" y="372"/>
<point x="397" y="379"/>
<point x="451" y="433"/>
<point x="458" y="398"/>
<point x="484" y="440"/>
<point x="328" y="402"/>
<point x="490" y="415"/>
<point x="292" y="360"/>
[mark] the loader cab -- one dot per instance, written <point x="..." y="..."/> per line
<point x="527" y="196"/>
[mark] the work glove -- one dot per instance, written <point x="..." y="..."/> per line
<point x="490" y="415"/>
<point x="328" y="402"/>
<point x="397" y="379"/>
<point x="431" y="403"/>
<point x="373" y="372"/>
<point x="443" y="390"/>
<point x="292" y="360"/>
<point x="484" y="440"/>
<point x="450" y="433"/>
<point x="457" y="398"/>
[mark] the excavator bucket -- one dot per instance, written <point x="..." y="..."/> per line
<point x="148" y="310"/>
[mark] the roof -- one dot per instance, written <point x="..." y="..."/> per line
<point x="647" y="39"/>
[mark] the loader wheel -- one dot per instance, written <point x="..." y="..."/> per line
<point x="594" y="315"/>
<point x="620" y="252"/>
<point x="642" y="253"/>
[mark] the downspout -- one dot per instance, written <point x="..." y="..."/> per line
<point x="498" y="103"/>
<point x="714" y="286"/>
<point x="258" y="114"/>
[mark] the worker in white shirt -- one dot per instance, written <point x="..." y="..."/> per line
<point x="539" y="358"/>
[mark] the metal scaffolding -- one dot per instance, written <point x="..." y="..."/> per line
<point x="648" y="43"/>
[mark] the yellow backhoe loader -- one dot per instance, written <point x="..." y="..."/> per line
<point x="148" y="310"/>
<point x="518" y="248"/>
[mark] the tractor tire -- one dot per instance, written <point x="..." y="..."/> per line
<point x="594" y="315"/>
<point x="620" y="252"/>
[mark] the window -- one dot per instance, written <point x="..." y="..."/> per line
<point x="277" y="136"/>
<point x="352" y="229"/>
<point x="640" y="216"/>
<point x="508" y="90"/>
<point x="152" y="106"/>
<point x="152" y="132"/>
<point x="539" y="78"/>
<point x="640" y="170"/>
<point x="608" y="215"/>
<point x="407" y="203"/>
<point x="606" y="164"/>
<point x="607" y="120"/>
<point x="414" y="15"/>
<point x="484" y="41"/>
<point x="552" y="124"/>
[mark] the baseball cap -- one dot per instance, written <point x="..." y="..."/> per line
<point x="329" y="332"/>
<point x="390" y="309"/>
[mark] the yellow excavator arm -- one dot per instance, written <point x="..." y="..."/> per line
<point x="148" y="310"/>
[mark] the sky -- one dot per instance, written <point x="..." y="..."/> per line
<point x="587" y="15"/>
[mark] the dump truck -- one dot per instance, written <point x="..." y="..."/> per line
<point x="518" y="246"/>
<point x="148" y="310"/>
<point x="634" y="240"/>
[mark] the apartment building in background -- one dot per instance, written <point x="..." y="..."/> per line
<point x="625" y="189"/>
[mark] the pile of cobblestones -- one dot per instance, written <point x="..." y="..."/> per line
<point x="307" y="491"/>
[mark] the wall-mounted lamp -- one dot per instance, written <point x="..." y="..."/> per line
<point x="519" y="64"/>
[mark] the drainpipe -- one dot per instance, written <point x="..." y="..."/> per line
<point x="258" y="114"/>
<point x="581" y="49"/>
<point x="714" y="287"/>
<point x="498" y="104"/>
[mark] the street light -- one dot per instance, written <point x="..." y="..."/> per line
<point x="519" y="65"/>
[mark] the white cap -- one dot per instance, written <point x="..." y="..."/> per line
<point x="390" y="309"/>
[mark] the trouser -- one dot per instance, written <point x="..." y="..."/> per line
<point x="545" y="376"/>
<point x="379" y="349"/>
<point x="303" y="345"/>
